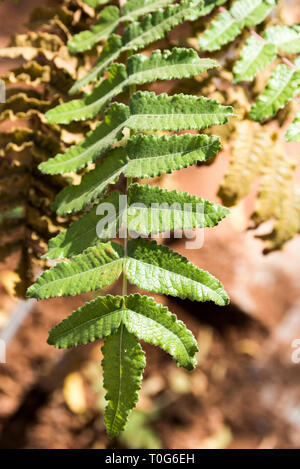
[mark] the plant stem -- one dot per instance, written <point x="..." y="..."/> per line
<point x="132" y="90"/>
<point x="124" y="291"/>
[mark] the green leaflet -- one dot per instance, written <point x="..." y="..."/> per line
<point x="97" y="268"/>
<point x="221" y="31"/>
<point x="154" y="210"/>
<point x="228" y="24"/>
<point x="106" y="24"/>
<point x="122" y="380"/>
<point x="283" y="85"/>
<point x="110" y="19"/>
<point x="151" y="156"/>
<point x="151" y="112"/>
<point x="95" y="144"/>
<point x="93" y="103"/>
<point x="166" y="65"/>
<point x="93" y="184"/>
<point x="96" y="319"/>
<point x="112" y="49"/>
<point x="82" y="233"/>
<point x="252" y="12"/>
<point x="138" y="35"/>
<point x="154" y="324"/>
<point x="141" y="315"/>
<point x="286" y="38"/>
<point x="293" y="132"/>
<point x="158" y="269"/>
<point x="255" y="56"/>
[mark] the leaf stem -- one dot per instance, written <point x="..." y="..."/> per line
<point x="132" y="90"/>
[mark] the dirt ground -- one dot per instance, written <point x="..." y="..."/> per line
<point x="244" y="392"/>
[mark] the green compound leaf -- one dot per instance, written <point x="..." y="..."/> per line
<point x="95" y="144"/>
<point x="138" y="35"/>
<point x="97" y="268"/>
<point x="110" y="19"/>
<point x="153" y="210"/>
<point x="255" y="56"/>
<point x="286" y="38"/>
<point x="122" y="380"/>
<point x="158" y="269"/>
<point x="151" y="112"/>
<point x="82" y="233"/>
<point x="166" y="65"/>
<point x="228" y="24"/>
<point x="141" y="315"/>
<point x="293" y="132"/>
<point x="283" y="85"/>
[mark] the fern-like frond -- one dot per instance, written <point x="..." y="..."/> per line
<point x="293" y="132"/>
<point x="138" y="35"/>
<point x="31" y="45"/>
<point x="283" y="85"/>
<point x="166" y="65"/>
<point x="255" y="56"/>
<point x="122" y="381"/>
<point x="275" y="185"/>
<point x="153" y="210"/>
<point x="109" y="20"/>
<point x="252" y="145"/>
<point x="158" y="269"/>
<point x="97" y="268"/>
